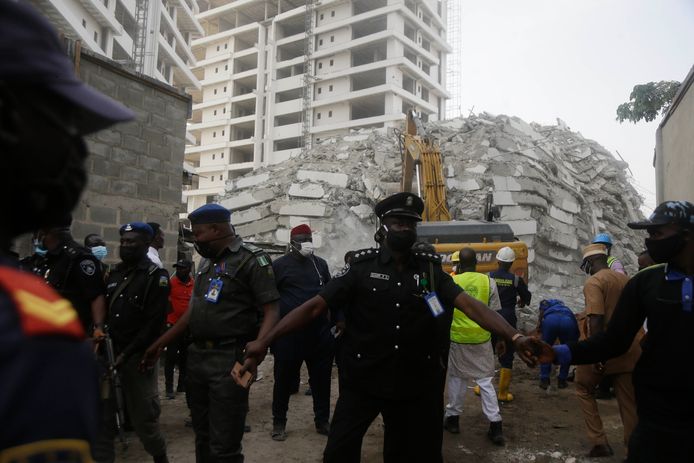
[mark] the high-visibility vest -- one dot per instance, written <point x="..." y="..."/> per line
<point x="463" y="329"/>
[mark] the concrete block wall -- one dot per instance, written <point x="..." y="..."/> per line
<point x="135" y="169"/>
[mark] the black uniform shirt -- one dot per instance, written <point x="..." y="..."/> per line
<point x="248" y="283"/>
<point x="394" y="346"/>
<point x="75" y="273"/>
<point x="663" y="377"/>
<point x="137" y="311"/>
<point x="299" y="279"/>
<point x="510" y="286"/>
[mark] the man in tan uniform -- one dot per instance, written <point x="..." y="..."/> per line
<point x="601" y="292"/>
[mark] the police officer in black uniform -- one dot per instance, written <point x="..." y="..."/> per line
<point x="398" y="309"/>
<point x="48" y="382"/>
<point x="234" y="289"/>
<point x="73" y="271"/>
<point x="138" y="300"/>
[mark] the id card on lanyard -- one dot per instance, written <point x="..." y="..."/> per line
<point x="216" y="285"/>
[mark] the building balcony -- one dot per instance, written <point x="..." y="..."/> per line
<point x="101" y="14"/>
<point x="185" y="72"/>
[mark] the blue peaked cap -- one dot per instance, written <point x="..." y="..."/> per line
<point x="138" y="227"/>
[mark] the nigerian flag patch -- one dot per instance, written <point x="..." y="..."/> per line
<point x="263" y="261"/>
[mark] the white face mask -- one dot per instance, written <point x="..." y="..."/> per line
<point x="306" y="249"/>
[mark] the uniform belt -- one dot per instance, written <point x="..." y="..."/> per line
<point x="215" y="343"/>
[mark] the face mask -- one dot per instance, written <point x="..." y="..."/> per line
<point x="130" y="254"/>
<point x="662" y="251"/>
<point x="305" y="249"/>
<point x="100" y="252"/>
<point x="205" y="250"/>
<point x="41" y="251"/>
<point x="587" y="267"/>
<point x="400" y="241"/>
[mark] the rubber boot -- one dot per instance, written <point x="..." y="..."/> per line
<point x="504" y="383"/>
<point x="451" y="425"/>
<point x="496" y="434"/>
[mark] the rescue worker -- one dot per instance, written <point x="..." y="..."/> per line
<point x="601" y="291"/>
<point x="512" y="291"/>
<point x="138" y="299"/>
<point x="471" y="358"/>
<point x="613" y="263"/>
<point x="556" y="321"/>
<point x="73" y="271"/>
<point x="181" y="292"/>
<point x="45" y="111"/>
<point x="233" y="290"/>
<point x="398" y="307"/>
<point x="157" y="244"/>
<point x="455" y="259"/>
<point x="662" y="294"/>
<point x="299" y="276"/>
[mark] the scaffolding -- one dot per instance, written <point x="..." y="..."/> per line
<point x="307" y="92"/>
<point x="454" y="78"/>
<point x="140" y="42"/>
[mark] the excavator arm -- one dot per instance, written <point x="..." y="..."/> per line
<point x="421" y="161"/>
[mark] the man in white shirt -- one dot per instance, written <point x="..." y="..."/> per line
<point x="157" y="244"/>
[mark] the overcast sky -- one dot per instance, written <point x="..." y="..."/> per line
<point x="577" y="60"/>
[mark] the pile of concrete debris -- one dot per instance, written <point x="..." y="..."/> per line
<point x="554" y="188"/>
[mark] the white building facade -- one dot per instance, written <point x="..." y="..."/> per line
<point x="369" y="62"/>
<point x="153" y="36"/>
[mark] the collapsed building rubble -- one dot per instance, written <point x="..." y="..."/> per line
<point x="554" y="188"/>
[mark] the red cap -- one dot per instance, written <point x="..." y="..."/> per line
<point x="302" y="229"/>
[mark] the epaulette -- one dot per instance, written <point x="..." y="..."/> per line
<point x="428" y="256"/>
<point x="252" y="248"/>
<point x="41" y="310"/>
<point x="74" y="249"/>
<point x="260" y="255"/>
<point x="365" y="254"/>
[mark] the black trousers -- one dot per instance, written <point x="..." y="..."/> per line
<point x="650" y="443"/>
<point x="509" y="315"/>
<point x="315" y="346"/>
<point x="176" y="354"/>
<point x="413" y="427"/>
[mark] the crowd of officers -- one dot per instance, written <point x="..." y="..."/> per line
<point x="404" y="326"/>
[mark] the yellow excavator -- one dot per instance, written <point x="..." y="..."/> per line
<point x="422" y="166"/>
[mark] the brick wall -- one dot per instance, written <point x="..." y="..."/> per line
<point x="135" y="169"/>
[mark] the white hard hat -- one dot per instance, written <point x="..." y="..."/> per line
<point x="505" y="254"/>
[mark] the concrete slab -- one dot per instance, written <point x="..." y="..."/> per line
<point x="335" y="179"/>
<point x="506" y="184"/>
<point x="561" y="215"/>
<point x="246" y="199"/>
<point x="466" y="185"/>
<point x="515" y="213"/>
<point x="363" y="211"/>
<point x="478" y="169"/>
<point x="504" y="198"/>
<point x="523" y="227"/>
<point x="306" y="190"/>
<point x="253" y="180"/>
<point x="307" y="209"/>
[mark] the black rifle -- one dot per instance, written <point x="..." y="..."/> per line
<point x="117" y="389"/>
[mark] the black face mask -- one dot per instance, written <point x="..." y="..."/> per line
<point x="400" y="241"/>
<point x="664" y="250"/>
<point x="205" y="250"/>
<point x="131" y="255"/>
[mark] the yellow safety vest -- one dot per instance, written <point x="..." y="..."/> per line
<point x="463" y="329"/>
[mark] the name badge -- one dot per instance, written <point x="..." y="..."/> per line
<point x="380" y="276"/>
<point x="215" y="289"/>
<point x="434" y="304"/>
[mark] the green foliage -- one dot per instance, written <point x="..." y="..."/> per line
<point x="647" y="101"/>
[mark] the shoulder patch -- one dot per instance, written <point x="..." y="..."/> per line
<point x="88" y="267"/>
<point x="365" y="254"/>
<point x="41" y="310"/>
<point x="263" y="260"/>
<point x="163" y="280"/>
<point x="429" y="256"/>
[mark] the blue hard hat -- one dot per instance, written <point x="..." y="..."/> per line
<point x="602" y="238"/>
